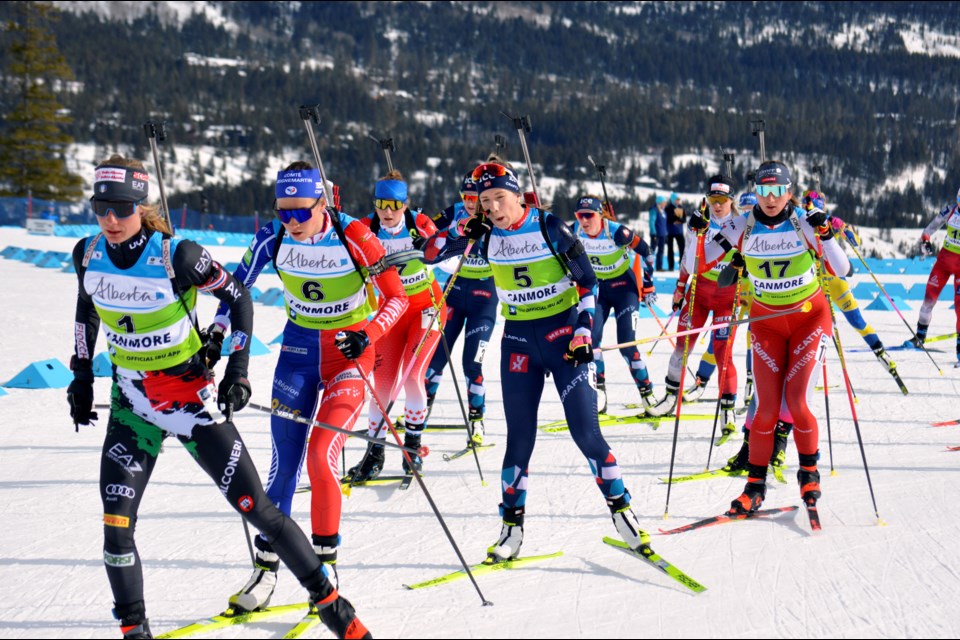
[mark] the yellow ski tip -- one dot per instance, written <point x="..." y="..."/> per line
<point x="833" y="473"/>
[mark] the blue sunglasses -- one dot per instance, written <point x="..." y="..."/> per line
<point x="775" y="190"/>
<point x="300" y="215"/>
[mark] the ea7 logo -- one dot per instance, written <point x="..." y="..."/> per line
<point x="118" y="453"/>
<point x="519" y="363"/>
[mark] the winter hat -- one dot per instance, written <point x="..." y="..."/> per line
<point x="589" y="203"/>
<point x="773" y="173"/>
<point x="491" y="175"/>
<point x="748" y="199"/>
<point x="661" y="199"/>
<point x="720" y="185"/>
<point x="674" y="198"/>
<point x="468" y="187"/>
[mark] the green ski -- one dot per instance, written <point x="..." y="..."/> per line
<point x="484" y="568"/>
<point x="721" y="473"/>
<point x="309" y="621"/>
<point x="228" y="618"/>
<point x="611" y="421"/>
<point x="652" y="558"/>
<point x="447" y="457"/>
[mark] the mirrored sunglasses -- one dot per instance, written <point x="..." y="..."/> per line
<point x="775" y="190"/>
<point x="300" y="215"/>
<point x="119" y="210"/>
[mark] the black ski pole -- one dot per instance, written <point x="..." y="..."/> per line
<point x="155" y="131"/>
<point x="602" y="170"/>
<point x="386" y="144"/>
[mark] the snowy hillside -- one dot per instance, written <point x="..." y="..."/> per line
<point x="768" y="578"/>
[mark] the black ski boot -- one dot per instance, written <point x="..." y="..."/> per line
<point x="411" y="440"/>
<point x="371" y="465"/>
<point x="780" y="435"/>
<point x="338" y="615"/>
<point x="740" y="461"/>
<point x="809" y="479"/>
<point x="133" y="620"/>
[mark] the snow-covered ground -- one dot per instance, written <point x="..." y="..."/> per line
<point x="764" y="578"/>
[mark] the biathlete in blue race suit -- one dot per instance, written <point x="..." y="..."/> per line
<point x="608" y="246"/>
<point x="547" y="292"/>
<point x="472" y="309"/>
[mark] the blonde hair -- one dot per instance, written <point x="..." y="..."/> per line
<point x="150" y="216"/>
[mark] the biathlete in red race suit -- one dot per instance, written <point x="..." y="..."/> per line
<point x="781" y="250"/>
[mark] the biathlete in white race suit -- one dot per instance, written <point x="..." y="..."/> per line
<point x="608" y="244"/>
<point x="781" y="251"/>
<point x="472" y="310"/>
<point x="399" y="229"/>
<point x="142" y="285"/>
<point x="946" y="265"/>
<point x="717" y="209"/>
<point x="323" y="258"/>
<point x="547" y="292"/>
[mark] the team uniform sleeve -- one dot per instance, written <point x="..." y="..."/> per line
<point x="258" y="255"/>
<point x="938" y="220"/>
<point x="443" y="219"/>
<point x="834" y="258"/>
<point x="86" y="319"/>
<point x="425" y="226"/>
<point x="564" y="241"/>
<point x="193" y="266"/>
<point x="368" y="251"/>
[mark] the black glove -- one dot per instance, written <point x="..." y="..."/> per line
<point x="475" y="228"/>
<point x="233" y="394"/>
<point x="419" y="242"/>
<point x="80" y="393"/>
<point x="678" y="295"/>
<point x="352" y="343"/>
<point x="737" y="261"/>
<point x="212" y="338"/>
<point x="817" y="218"/>
<point x="580" y="351"/>
<point x="701" y="219"/>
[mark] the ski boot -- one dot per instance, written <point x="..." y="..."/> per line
<point x="646" y="394"/>
<point x="740" y="461"/>
<point x="780" y="435"/>
<point x="669" y="401"/>
<point x="728" y="403"/>
<point x="884" y="357"/>
<point x="809" y="479"/>
<point x="256" y="594"/>
<point x="338" y="615"/>
<point x="431" y="398"/>
<point x="626" y="522"/>
<point x="753" y="493"/>
<point x="601" y="393"/>
<point x="371" y="465"/>
<point x="695" y="392"/>
<point x="917" y="341"/>
<point x="748" y="390"/>
<point x="411" y="440"/>
<point x="326" y="549"/>
<point x="508" y="544"/>
<point x="476" y="423"/>
<point x="133" y="620"/>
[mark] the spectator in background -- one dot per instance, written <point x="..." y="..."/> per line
<point x="658" y="229"/>
<point x="675" y="220"/>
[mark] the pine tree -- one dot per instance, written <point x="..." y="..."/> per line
<point x="32" y="143"/>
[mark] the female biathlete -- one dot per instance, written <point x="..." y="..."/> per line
<point x="322" y="257"/>
<point x="472" y="309"/>
<point x="780" y="252"/>
<point x="142" y="285"/>
<point x="710" y="297"/>
<point x="547" y="292"/>
<point x="607" y="243"/>
<point x="947" y="264"/>
<point x="399" y="229"/>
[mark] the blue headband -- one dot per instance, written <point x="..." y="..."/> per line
<point x="120" y="184"/>
<point x="391" y="190"/>
<point x="299" y="183"/>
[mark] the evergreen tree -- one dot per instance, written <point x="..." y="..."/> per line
<point x="33" y="142"/>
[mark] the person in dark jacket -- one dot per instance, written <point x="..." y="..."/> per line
<point x="658" y="229"/>
<point x="675" y="220"/>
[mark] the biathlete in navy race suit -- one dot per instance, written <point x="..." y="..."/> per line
<point x="547" y="292"/>
<point x="141" y="285"/>
<point x="323" y="258"/>
<point x="716" y="206"/>
<point x="946" y="265"/>
<point x="781" y="253"/>
<point x="607" y="244"/>
<point x="398" y="229"/>
<point x="471" y="310"/>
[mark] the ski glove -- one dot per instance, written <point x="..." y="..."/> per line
<point x="580" y="351"/>
<point x="701" y="219"/>
<point x="233" y="394"/>
<point x="678" y="296"/>
<point x="737" y="261"/>
<point x="212" y="345"/>
<point x="80" y="392"/>
<point x="419" y="242"/>
<point x="926" y="247"/>
<point x="649" y="295"/>
<point x="352" y="343"/>
<point x="474" y="228"/>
